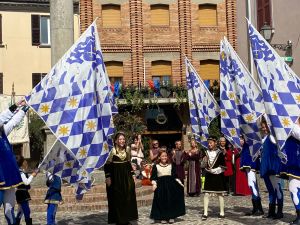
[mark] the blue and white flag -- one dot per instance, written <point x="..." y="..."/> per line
<point x="280" y="86"/>
<point x="230" y="125"/>
<point x="203" y="106"/>
<point x="248" y="97"/>
<point x="76" y="102"/>
<point x="62" y="162"/>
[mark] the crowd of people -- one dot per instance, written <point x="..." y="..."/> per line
<point x="219" y="170"/>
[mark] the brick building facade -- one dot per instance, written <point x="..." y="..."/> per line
<point x="159" y="33"/>
<point x="146" y="40"/>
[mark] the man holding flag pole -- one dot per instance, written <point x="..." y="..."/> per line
<point x="203" y="109"/>
<point x="281" y="93"/>
<point x="76" y="103"/>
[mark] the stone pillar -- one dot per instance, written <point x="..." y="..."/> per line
<point x="185" y="34"/>
<point x="136" y="29"/>
<point x="61" y="28"/>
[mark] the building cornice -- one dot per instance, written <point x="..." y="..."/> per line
<point x="206" y="47"/>
<point x="115" y="48"/>
<point x="161" y="48"/>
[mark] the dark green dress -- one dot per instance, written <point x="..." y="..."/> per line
<point x="122" y="206"/>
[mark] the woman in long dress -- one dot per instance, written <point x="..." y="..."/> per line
<point x="120" y="185"/>
<point x="137" y="149"/>
<point x="193" y="157"/>
<point x="168" y="202"/>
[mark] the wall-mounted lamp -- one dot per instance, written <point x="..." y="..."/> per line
<point x="267" y="31"/>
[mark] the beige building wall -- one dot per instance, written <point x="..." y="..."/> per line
<point x="18" y="58"/>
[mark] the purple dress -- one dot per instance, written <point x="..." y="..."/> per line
<point x="179" y="160"/>
<point x="194" y="173"/>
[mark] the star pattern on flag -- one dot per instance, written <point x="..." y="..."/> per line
<point x="91" y="125"/>
<point x="63" y="130"/>
<point x="203" y="107"/>
<point x="82" y="153"/>
<point x="279" y="84"/>
<point x="76" y="103"/>
<point x="45" y="108"/>
<point x="240" y="100"/>
<point x="298" y="99"/>
<point x="286" y="122"/>
<point x="73" y="102"/>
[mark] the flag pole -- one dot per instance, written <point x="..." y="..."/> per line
<point x="250" y="56"/>
<point x="144" y="72"/>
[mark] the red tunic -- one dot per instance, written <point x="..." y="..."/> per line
<point x="228" y="163"/>
<point x="241" y="184"/>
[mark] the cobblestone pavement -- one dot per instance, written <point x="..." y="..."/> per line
<point x="235" y="208"/>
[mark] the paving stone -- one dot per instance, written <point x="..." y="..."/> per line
<point x="235" y="208"/>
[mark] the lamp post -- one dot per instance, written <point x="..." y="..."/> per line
<point x="266" y="31"/>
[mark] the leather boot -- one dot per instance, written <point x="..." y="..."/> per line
<point x="260" y="210"/>
<point x="18" y="221"/>
<point x="279" y="213"/>
<point x="28" y="221"/>
<point x="297" y="220"/>
<point x="254" y="208"/>
<point x="271" y="212"/>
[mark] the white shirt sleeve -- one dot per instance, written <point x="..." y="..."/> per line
<point x="5" y="116"/>
<point x="13" y="122"/>
<point x="26" y="180"/>
<point x="272" y="139"/>
<point x="296" y="131"/>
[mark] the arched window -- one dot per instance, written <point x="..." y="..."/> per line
<point x="111" y="16"/>
<point x="162" y="71"/>
<point x="209" y="70"/>
<point x="115" y="71"/>
<point x="160" y="15"/>
<point x="207" y="15"/>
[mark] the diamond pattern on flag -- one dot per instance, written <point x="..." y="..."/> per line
<point x="62" y="162"/>
<point x="76" y="102"/>
<point x="230" y="126"/>
<point x="249" y="100"/>
<point x="280" y="86"/>
<point x="203" y="106"/>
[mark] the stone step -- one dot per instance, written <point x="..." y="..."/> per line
<point x="100" y="188"/>
<point x="89" y="197"/>
<point x="82" y="206"/>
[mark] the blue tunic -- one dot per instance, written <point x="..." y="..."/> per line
<point x="292" y="150"/>
<point x="53" y="195"/>
<point x="246" y="159"/>
<point x="8" y="164"/>
<point x="270" y="161"/>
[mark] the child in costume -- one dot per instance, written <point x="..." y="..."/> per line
<point x="53" y="196"/>
<point x="22" y="193"/>
<point x="168" y="202"/>
<point x="214" y="176"/>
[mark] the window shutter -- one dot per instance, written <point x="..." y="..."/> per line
<point x="1" y="83"/>
<point x="111" y="16"/>
<point x="160" y="15"/>
<point x="263" y="13"/>
<point x="114" y="69"/>
<point x="35" y="30"/>
<point x="161" y="68"/>
<point x="267" y="10"/>
<point x="207" y="15"/>
<point x="209" y="70"/>
<point x="1" y="41"/>
<point x="36" y="78"/>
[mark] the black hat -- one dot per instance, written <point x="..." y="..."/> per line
<point x="212" y="138"/>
